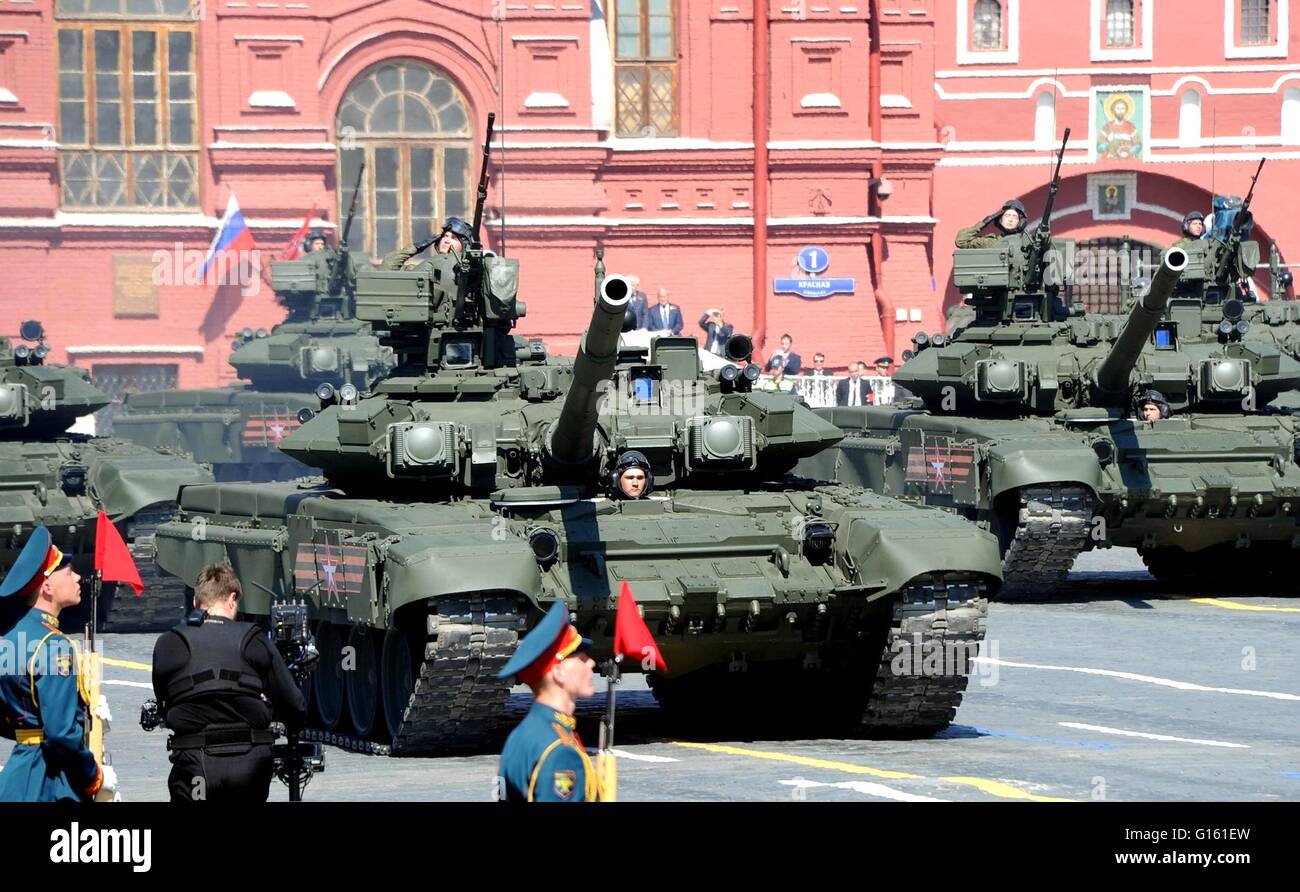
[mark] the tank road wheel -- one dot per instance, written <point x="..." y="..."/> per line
<point x="327" y="680"/>
<point x="361" y="676"/>
<point x="1168" y="564"/>
<point x="396" y="678"/>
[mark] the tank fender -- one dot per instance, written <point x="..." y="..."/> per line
<point x="1010" y="469"/>
<point x="415" y="570"/>
<point x="887" y="557"/>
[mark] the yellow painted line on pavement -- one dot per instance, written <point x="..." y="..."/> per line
<point x="127" y="664"/>
<point x="1233" y="605"/>
<point x="1003" y="790"/>
<point x="992" y="787"/>
<point x="847" y="767"/>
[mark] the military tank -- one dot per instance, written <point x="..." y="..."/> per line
<point x="320" y="346"/>
<point x="62" y="480"/>
<point x="1022" y="421"/>
<point x="471" y="489"/>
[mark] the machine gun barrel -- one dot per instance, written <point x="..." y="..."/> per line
<point x="1043" y="234"/>
<point x="571" y="435"/>
<point x="1113" y="374"/>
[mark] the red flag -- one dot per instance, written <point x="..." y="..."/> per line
<point x="293" y="248"/>
<point x="112" y="559"/>
<point x="631" y="637"/>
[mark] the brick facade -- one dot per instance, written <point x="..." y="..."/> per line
<point x="961" y="129"/>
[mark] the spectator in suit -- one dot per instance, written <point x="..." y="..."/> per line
<point x="718" y="330"/>
<point x="638" y="302"/>
<point x="819" y="369"/>
<point x="790" y="361"/>
<point x="664" y="317"/>
<point x="854" y="390"/>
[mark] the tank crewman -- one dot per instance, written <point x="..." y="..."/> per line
<point x="544" y="759"/>
<point x="1010" y="219"/>
<point x="218" y="683"/>
<point x="632" y="477"/>
<point x="1193" y="229"/>
<point x="43" y="696"/>
<point x="454" y="236"/>
<point x="316" y="241"/>
<point x="1152" y="406"/>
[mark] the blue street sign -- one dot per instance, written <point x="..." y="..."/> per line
<point x="814" y="260"/>
<point x="813" y="288"/>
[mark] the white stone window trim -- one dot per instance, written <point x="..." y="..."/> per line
<point x="111" y="349"/>
<point x="1010" y="26"/>
<point x="270" y="99"/>
<point x="1128" y="180"/>
<point x="1098" y="52"/>
<point x="1279" y="49"/>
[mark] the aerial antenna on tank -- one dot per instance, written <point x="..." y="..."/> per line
<point x="501" y="104"/>
<point x="1214" y="139"/>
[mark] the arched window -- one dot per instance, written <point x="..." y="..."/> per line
<point x="1045" y="120"/>
<point x="409" y="123"/>
<point x="988" y="25"/>
<point x="1291" y="116"/>
<point x="1189" y="118"/>
<point x="1119" y="23"/>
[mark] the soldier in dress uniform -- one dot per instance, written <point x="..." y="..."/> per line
<point x="544" y="759"/>
<point x="43" y="696"/>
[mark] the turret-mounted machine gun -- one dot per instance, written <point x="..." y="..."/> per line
<point x="1020" y="278"/>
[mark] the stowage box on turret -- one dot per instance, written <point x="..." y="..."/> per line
<point x="471" y="489"/>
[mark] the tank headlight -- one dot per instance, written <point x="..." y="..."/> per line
<point x="729" y="373"/>
<point x="1242" y="326"/>
<point x="818" y="542"/>
<point x="305" y="415"/>
<point x="545" y="545"/>
<point x="348" y="394"/>
<point x="751" y="373"/>
<point x="325" y="392"/>
<point x="1105" y="451"/>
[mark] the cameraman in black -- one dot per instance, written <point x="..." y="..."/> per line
<point x="219" y="683"/>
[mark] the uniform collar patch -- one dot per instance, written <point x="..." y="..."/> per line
<point x="567" y="721"/>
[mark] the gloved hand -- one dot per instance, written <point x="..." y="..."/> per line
<point x="990" y="218"/>
<point x="102" y="712"/>
<point x="424" y="245"/>
<point x="110" y="779"/>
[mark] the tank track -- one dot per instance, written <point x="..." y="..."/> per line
<point x="162" y="604"/>
<point x="937" y="626"/>
<point x="458" y="704"/>
<point x="1051" y="530"/>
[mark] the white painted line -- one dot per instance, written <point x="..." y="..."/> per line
<point x="1148" y="679"/>
<point x="129" y="684"/>
<point x="866" y="788"/>
<point x="1101" y="729"/>
<point x="637" y="757"/>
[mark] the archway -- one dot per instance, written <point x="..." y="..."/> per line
<point x="409" y="122"/>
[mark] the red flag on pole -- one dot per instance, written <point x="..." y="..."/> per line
<point x="293" y="248"/>
<point x="631" y="636"/>
<point x="112" y="559"/>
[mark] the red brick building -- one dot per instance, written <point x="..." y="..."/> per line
<point x="881" y="127"/>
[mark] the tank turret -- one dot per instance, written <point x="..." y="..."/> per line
<point x="37" y="399"/>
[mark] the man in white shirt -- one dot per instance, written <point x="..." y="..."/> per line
<point x="854" y="390"/>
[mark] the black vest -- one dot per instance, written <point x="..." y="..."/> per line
<point x="217" y="664"/>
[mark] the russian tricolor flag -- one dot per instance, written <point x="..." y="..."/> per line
<point x="233" y="235"/>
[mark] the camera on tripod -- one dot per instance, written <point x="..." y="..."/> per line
<point x="295" y="762"/>
<point x="150" y="720"/>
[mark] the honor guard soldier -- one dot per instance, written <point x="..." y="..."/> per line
<point x="544" y="760"/>
<point x="43" y="697"/>
<point x="218" y="683"/>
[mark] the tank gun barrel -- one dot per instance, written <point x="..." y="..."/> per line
<point x="1113" y="374"/>
<point x="572" y="432"/>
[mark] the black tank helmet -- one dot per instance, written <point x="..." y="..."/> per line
<point x="1154" y="397"/>
<point x="457" y="227"/>
<point x="631" y="459"/>
<point x="1187" y="220"/>
<point x="1012" y="204"/>
<point x="312" y="236"/>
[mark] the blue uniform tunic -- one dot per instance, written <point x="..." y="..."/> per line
<point x="39" y="693"/>
<point x="544" y="761"/>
